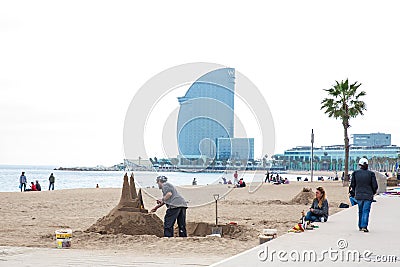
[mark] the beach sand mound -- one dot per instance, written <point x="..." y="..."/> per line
<point x="305" y="197"/>
<point x="204" y="229"/>
<point x="129" y="216"/>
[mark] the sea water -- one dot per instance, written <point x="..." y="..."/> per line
<point x="9" y="177"/>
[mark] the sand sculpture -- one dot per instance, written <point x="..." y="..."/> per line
<point x="129" y="216"/>
<point x="305" y="197"/>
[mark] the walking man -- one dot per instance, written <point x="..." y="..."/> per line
<point x="364" y="184"/>
<point x="51" y="181"/>
<point x="22" y="181"/>
<point x="176" y="208"/>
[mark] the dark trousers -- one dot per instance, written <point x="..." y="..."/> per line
<point x="23" y="186"/>
<point x="172" y="215"/>
<point x="51" y="185"/>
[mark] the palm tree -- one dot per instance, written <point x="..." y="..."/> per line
<point x="264" y="160"/>
<point x="343" y="103"/>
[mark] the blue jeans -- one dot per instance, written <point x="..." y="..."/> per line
<point x="364" y="207"/>
<point x="51" y="186"/>
<point x="353" y="201"/>
<point x="312" y="217"/>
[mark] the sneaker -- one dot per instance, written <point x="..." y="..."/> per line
<point x="365" y="230"/>
<point x="360" y="229"/>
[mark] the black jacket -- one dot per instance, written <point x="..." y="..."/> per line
<point x="364" y="184"/>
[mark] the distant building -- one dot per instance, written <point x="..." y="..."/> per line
<point x="206" y="113"/>
<point x="372" y="139"/>
<point x="235" y="148"/>
<point x="379" y="151"/>
<point x="205" y="126"/>
<point x="137" y="164"/>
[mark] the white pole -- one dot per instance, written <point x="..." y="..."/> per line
<point x="312" y="154"/>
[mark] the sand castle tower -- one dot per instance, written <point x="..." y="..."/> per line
<point x="129" y="216"/>
<point x="130" y="199"/>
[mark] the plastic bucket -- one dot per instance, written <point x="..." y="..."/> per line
<point x="270" y="231"/>
<point x="63" y="238"/>
<point x="265" y="238"/>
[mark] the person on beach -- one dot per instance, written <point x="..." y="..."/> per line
<point x="176" y="208"/>
<point x="235" y="178"/>
<point x="319" y="210"/>
<point x="267" y="177"/>
<point x="241" y="183"/>
<point x="33" y="187"/>
<point x="22" y="181"/>
<point x="52" y="179"/>
<point x="364" y="184"/>
<point x="38" y="187"/>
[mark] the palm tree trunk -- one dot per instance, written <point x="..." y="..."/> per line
<point x="346" y="153"/>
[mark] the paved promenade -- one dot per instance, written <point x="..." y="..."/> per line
<point x="335" y="243"/>
<point x="23" y="256"/>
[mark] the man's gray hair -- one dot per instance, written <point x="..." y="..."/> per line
<point x="161" y="179"/>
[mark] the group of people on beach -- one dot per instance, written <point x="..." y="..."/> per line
<point x="363" y="187"/>
<point x="277" y="180"/>
<point x="238" y="182"/>
<point x="34" y="186"/>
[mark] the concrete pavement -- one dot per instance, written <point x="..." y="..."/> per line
<point x="24" y="256"/>
<point x="337" y="242"/>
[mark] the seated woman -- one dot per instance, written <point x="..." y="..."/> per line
<point x="241" y="183"/>
<point x="33" y="187"/>
<point x="319" y="210"/>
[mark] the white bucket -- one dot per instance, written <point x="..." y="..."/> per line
<point x="270" y="231"/>
<point x="265" y="238"/>
<point x="63" y="237"/>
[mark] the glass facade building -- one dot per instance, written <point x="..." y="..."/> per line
<point x="206" y="115"/>
<point x="235" y="148"/>
<point x="332" y="157"/>
<point x="376" y="147"/>
<point x="372" y="139"/>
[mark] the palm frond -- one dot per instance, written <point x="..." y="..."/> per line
<point x="343" y="101"/>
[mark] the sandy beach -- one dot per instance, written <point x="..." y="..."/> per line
<point x="29" y="219"/>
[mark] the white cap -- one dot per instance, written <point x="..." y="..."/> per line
<point x="363" y="161"/>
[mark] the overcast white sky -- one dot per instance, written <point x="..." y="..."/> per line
<point x="69" y="69"/>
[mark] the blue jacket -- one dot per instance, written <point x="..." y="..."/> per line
<point x="22" y="179"/>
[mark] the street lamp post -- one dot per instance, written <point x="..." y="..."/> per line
<point x="312" y="154"/>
